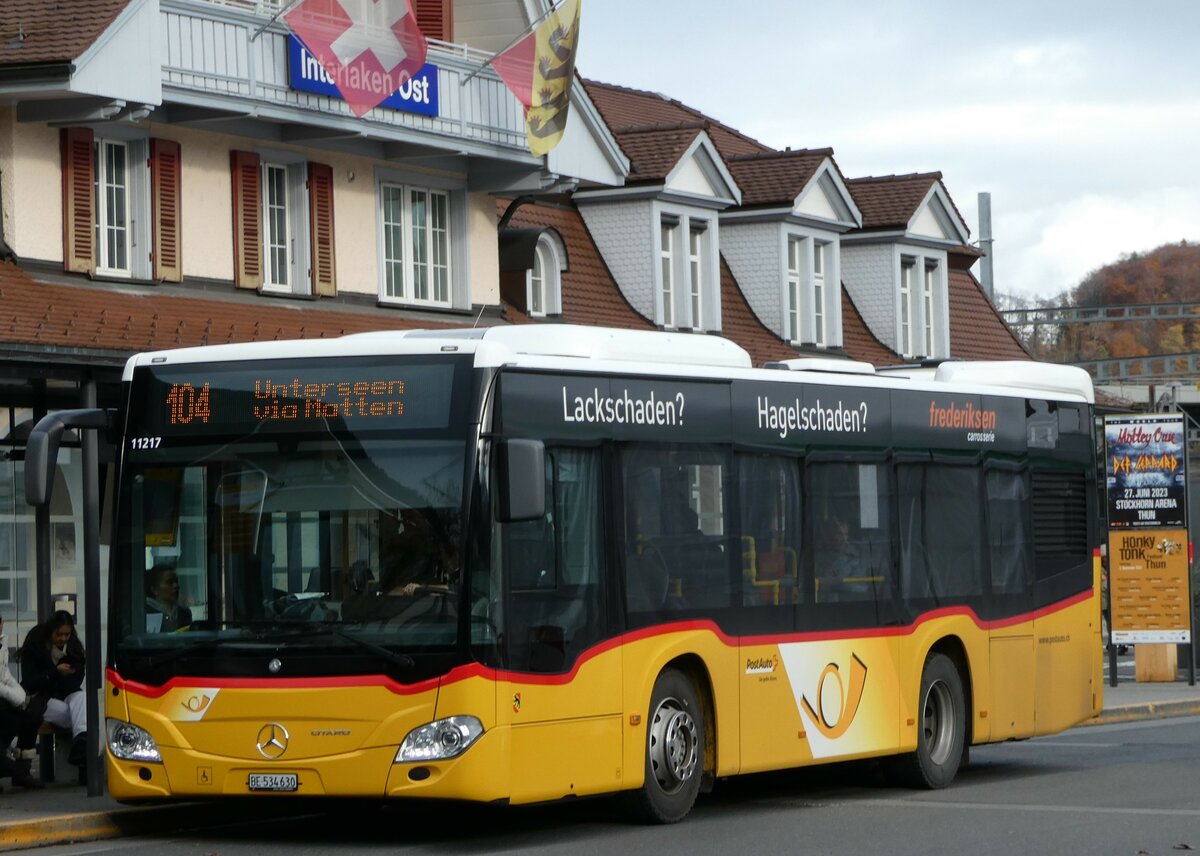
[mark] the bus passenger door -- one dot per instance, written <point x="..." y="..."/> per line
<point x="562" y="693"/>
<point x="1013" y="667"/>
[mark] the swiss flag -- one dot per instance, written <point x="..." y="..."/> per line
<point x="369" y="47"/>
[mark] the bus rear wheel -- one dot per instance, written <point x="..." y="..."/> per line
<point x="941" y="729"/>
<point x="675" y="741"/>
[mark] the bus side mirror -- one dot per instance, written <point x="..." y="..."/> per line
<point x="520" y="480"/>
<point x="41" y="450"/>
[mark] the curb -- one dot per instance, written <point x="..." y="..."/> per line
<point x="57" y="829"/>
<point x="1149" y="710"/>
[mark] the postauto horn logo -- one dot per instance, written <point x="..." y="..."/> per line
<point x="832" y="718"/>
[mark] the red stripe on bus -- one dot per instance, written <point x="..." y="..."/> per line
<point x="478" y="670"/>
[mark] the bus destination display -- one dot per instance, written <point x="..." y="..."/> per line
<point x="342" y="395"/>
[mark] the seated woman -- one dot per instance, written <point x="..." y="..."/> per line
<point x="19" y="721"/>
<point x="52" y="675"/>
<point x="163" y="612"/>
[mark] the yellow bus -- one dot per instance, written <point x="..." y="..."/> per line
<point x="522" y="564"/>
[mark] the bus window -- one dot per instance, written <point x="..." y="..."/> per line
<point x="677" y="551"/>
<point x="940" y="531"/>
<point x="1008" y="531"/>
<point x="769" y="493"/>
<point x="556" y="604"/>
<point x="849" y="507"/>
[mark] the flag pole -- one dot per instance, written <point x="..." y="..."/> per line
<point x="287" y="7"/>
<point x="524" y="34"/>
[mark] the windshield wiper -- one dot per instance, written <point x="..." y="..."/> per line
<point x="308" y="631"/>
<point x="170" y="654"/>
<point x="402" y="660"/>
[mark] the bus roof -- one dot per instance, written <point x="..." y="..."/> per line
<point x="605" y="349"/>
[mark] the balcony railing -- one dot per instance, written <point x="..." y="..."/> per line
<point x="229" y="50"/>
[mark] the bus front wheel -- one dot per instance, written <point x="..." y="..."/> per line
<point x="941" y="728"/>
<point x="674" y="750"/>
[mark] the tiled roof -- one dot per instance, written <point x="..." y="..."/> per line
<point x="739" y="323"/>
<point x="654" y="151"/>
<point x="890" y="201"/>
<point x="977" y="332"/>
<point x="590" y="294"/>
<point x="776" y="178"/>
<point x="43" y="31"/>
<point x="859" y="342"/>
<point x="624" y="108"/>
<point x="96" y="317"/>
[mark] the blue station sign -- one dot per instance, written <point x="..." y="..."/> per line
<point x="419" y="94"/>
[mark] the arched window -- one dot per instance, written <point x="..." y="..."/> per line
<point x="544" y="280"/>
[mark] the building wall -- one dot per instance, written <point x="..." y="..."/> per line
<point x="483" y="249"/>
<point x="488" y="25"/>
<point x="869" y="274"/>
<point x="753" y="252"/>
<point x="36" y="198"/>
<point x="7" y="119"/>
<point x="624" y="234"/>
<point x="31" y="172"/>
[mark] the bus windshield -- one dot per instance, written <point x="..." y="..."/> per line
<point x="309" y="535"/>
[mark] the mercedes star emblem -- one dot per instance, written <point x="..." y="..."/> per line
<point x="272" y="741"/>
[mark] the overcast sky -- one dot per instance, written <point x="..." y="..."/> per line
<point x="1081" y="119"/>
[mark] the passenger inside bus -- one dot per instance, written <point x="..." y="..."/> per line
<point x="164" y="614"/>
<point x="839" y="564"/>
<point x="416" y="562"/>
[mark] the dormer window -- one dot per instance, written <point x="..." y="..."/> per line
<point x="920" y="305"/>
<point x="696" y="271"/>
<point x="794" y="280"/>
<point x="908" y="269"/>
<point x="819" y="251"/>
<point x="669" y="227"/>
<point x="544" y="284"/>
<point x="927" y="292"/>
<point x="807" y="311"/>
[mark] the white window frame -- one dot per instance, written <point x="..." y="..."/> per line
<point x="106" y="185"/>
<point x="908" y="270"/>
<point x="392" y="243"/>
<point x="426" y="247"/>
<point x="543" y="281"/>
<point x="929" y="282"/>
<point x="819" y="249"/>
<point x="133" y="203"/>
<point x="668" y="232"/>
<point x="696" y="233"/>
<point x="278" y="259"/>
<point x="795" y="287"/>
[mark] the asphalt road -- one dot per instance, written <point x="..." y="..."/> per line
<point x="1116" y="789"/>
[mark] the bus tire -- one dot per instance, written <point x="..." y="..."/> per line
<point x="675" y="741"/>
<point x="941" y="729"/>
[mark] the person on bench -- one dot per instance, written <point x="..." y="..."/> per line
<point x="52" y="675"/>
<point x="16" y="720"/>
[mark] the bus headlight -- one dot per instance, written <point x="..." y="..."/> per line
<point x="130" y="743"/>
<point x="440" y="739"/>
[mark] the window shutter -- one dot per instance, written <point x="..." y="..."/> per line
<point x="247" y="220"/>
<point x="79" y="215"/>
<point x="434" y="19"/>
<point x="320" y="225"/>
<point x="165" y="188"/>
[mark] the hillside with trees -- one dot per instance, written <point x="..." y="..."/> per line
<point x="1168" y="274"/>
